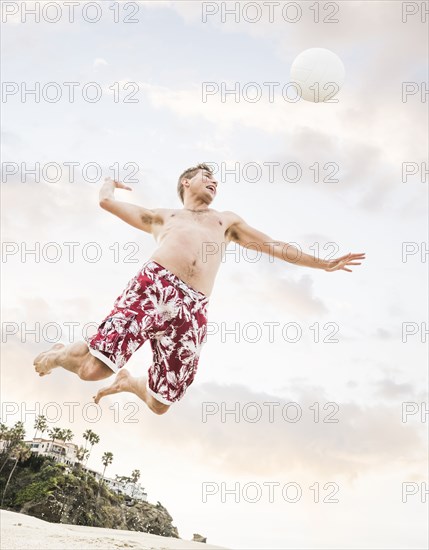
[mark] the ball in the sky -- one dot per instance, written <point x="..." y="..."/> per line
<point x="319" y="74"/>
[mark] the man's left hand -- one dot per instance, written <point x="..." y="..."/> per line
<point x="341" y="263"/>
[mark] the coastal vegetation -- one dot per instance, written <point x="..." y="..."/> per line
<point x="59" y="492"/>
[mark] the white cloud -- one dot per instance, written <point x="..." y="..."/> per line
<point x="99" y="62"/>
<point x="366" y="438"/>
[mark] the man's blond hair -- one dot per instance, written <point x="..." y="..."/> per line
<point x="188" y="174"/>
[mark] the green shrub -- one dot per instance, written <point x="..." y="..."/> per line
<point x="35" y="491"/>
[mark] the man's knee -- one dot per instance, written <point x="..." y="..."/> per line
<point x="92" y="369"/>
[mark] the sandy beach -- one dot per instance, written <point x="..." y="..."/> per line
<point x="19" y="531"/>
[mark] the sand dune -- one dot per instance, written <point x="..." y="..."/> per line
<point x="19" y="531"/>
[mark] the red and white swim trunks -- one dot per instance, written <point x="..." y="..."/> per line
<point x="157" y="306"/>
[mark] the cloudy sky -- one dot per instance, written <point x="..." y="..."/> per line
<point x="350" y="362"/>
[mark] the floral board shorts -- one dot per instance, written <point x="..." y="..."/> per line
<point x="157" y="306"/>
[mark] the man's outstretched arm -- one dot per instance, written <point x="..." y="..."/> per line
<point x="137" y="216"/>
<point x="249" y="237"/>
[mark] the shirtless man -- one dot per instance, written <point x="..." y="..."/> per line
<point x="166" y="302"/>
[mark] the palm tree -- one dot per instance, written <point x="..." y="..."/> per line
<point x="54" y="434"/>
<point x="93" y="440"/>
<point x="87" y="435"/>
<point x="18" y="431"/>
<point x="4" y="435"/>
<point x="106" y="459"/>
<point x="135" y="476"/>
<point x="13" y="437"/>
<point x="67" y="435"/>
<point x="20" y="452"/>
<point x="81" y="455"/>
<point x="40" y="425"/>
<point x="3" y="431"/>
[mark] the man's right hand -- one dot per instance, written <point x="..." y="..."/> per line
<point x="137" y="216"/>
<point x="117" y="184"/>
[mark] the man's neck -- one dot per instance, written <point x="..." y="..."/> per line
<point x="197" y="209"/>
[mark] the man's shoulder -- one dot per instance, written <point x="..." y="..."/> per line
<point x="231" y="217"/>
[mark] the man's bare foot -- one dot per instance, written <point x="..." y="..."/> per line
<point x="125" y="382"/>
<point x="45" y="361"/>
<point x="121" y="383"/>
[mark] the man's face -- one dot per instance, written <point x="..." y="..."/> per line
<point x="204" y="185"/>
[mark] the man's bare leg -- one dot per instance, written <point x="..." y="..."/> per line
<point x="74" y="358"/>
<point x="77" y="358"/>
<point x="124" y="382"/>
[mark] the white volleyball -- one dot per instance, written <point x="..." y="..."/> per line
<point x="318" y="74"/>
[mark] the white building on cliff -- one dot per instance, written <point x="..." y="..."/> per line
<point x="66" y="453"/>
